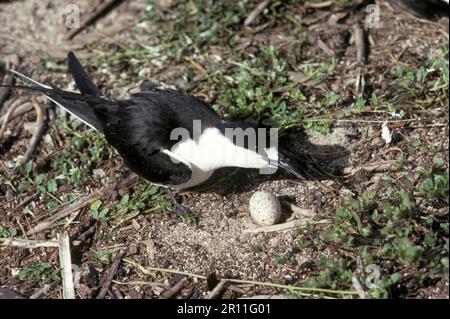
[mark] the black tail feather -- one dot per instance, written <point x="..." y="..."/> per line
<point x="80" y="106"/>
<point x="84" y="83"/>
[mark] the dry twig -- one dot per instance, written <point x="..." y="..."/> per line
<point x="65" y="262"/>
<point x="360" y="43"/>
<point x="265" y="297"/>
<point x="92" y="17"/>
<point x="24" y="107"/>
<point x="7" y="117"/>
<point x="38" y="133"/>
<point x="217" y="289"/>
<point x="256" y="12"/>
<point x="173" y="291"/>
<point x="110" y="277"/>
<point x="302" y="211"/>
<point x="26" y="243"/>
<point x="285" y="226"/>
<point x="41" y="292"/>
<point x="371" y="167"/>
<point x="361" y="53"/>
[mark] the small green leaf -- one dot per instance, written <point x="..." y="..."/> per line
<point x="444" y="262"/>
<point x="24" y="186"/>
<point x="278" y="260"/>
<point x="95" y="205"/>
<point x="124" y="200"/>
<point x="29" y="167"/>
<point x="395" y="277"/>
<point x="39" y="179"/>
<point x="52" y="186"/>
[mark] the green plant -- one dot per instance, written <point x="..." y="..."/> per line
<point x="7" y="232"/>
<point x="42" y="272"/>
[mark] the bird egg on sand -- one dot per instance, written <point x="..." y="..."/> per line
<point x="265" y="208"/>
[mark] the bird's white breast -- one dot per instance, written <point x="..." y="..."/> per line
<point x="211" y="151"/>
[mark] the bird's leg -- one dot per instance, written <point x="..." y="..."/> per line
<point x="180" y="209"/>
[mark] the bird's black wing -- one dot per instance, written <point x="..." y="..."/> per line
<point x="140" y="132"/>
<point x="84" y="83"/>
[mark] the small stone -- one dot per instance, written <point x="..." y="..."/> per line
<point x="265" y="208"/>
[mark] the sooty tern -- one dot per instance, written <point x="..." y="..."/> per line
<point x="142" y="130"/>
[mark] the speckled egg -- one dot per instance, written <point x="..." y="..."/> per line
<point x="265" y="208"/>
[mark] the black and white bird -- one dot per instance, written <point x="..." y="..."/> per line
<point x="142" y="130"/>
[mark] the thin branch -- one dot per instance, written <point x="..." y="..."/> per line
<point x="372" y="167"/>
<point x="7" y="117"/>
<point x="256" y="12"/>
<point x="92" y="17"/>
<point x="65" y="262"/>
<point x="302" y="211"/>
<point x="217" y="289"/>
<point x="41" y="292"/>
<point x="27" y="200"/>
<point x="25" y="107"/>
<point x="285" y="226"/>
<point x="173" y="291"/>
<point x="110" y="277"/>
<point x="151" y="270"/>
<point x="266" y="297"/>
<point x="26" y="243"/>
<point x="38" y="133"/>
<point x="360" y="43"/>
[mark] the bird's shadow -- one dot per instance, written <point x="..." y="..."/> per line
<point x="313" y="162"/>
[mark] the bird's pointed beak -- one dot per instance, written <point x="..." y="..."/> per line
<point x="285" y="165"/>
<point x="277" y="160"/>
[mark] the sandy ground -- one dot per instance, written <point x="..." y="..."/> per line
<point x="34" y="29"/>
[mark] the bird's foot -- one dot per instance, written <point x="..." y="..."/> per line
<point x="180" y="209"/>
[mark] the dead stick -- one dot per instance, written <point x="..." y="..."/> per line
<point x="41" y="292"/>
<point x="372" y="167"/>
<point x="302" y="211"/>
<point x="38" y="133"/>
<point x="83" y="202"/>
<point x="111" y="274"/>
<point x="27" y="200"/>
<point x="319" y="5"/>
<point x="65" y="261"/>
<point x="173" y="291"/>
<point x="6" y="118"/>
<point x="20" y="110"/>
<point x="266" y="297"/>
<point x="25" y="243"/>
<point x="285" y="226"/>
<point x="360" y="43"/>
<point x="217" y="289"/>
<point x="103" y="8"/>
<point x="256" y="12"/>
